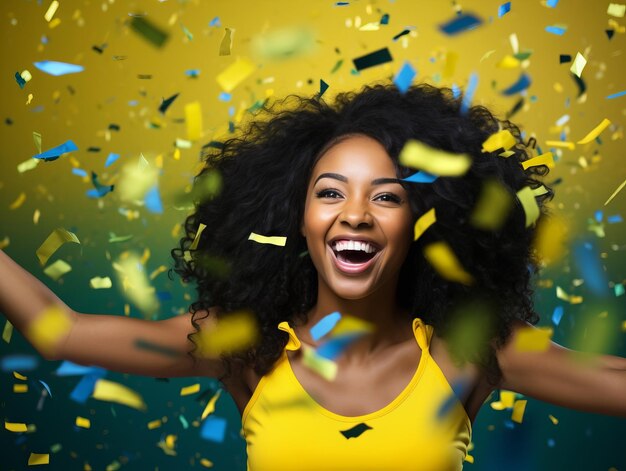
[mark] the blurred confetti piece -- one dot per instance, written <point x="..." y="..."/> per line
<point x="570" y="298"/>
<point x="565" y="144"/>
<point x="38" y="458"/>
<point x="19" y="362"/>
<point x="504" y="9"/>
<point x="333" y="347"/>
<point x="559" y="30"/>
<point x="546" y="159"/>
<point x="15" y="426"/>
<point x="238" y="331"/>
<point x="165" y="104"/>
<point x="58" y="68"/>
<point x="152" y="200"/>
<point x="443" y="259"/>
<point x="518" y="411"/>
<point x="84" y="388"/>
<point x="20" y="388"/>
<point x="46" y="386"/>
<point x="272" y="240"/>
<point x="51" y="10"/>
<point x="210" y="407"/>
<point x="100" y="282"/>
<point x="28" y="164"/>
<point x="551" y="238"/>
<point x="424" y="222"/>
<point x="533" y="339"/>
<point x="284" y="43"/>
<point x="37" y="140"/>
<point x="492" y="207"/>
<point x="56" y="239"/>
<point x="7" y="332"/>
<point x="187" y="390"/>
<point x="527" y="198"/>
<point x="595" y="132"/>
<point x="134" y="281"/>
<point x="320" y="365"/>
<point x="616" y="95"/>
<point x="111" y="159"/>
<point x="213" y="429"/>
<point x="227" y="42"/>
<point x="69" y="368"/>
<point x="50" y="328"/>
<point x="418" y="155"/>
<point x="421" y="177"/>
<point x="136" y="180"/>
<point x="468" y="95"/>
<point x="110" y="391"/>
<point x="235" y="73"/>
<point x="154" y="424"/>
<point x="619" y="188"/>
<point x="553" y="419"/>
<point x="501" y="140"/>
<point x="404" y="77"/>
<point x="56" y="152"/>
<point x="149" y="31"/>
<point x="557" y="315"/>
<point x="350" y="324"/>
<point x="523" y="82"/>
<point x="508" y="62"/>
<point x="587" y="258"/>
<point x="325" y="325"/>
<point x="193" y="120"/>
<point x="507" y="398"/>
<point x="19" y="201"/>
<point x="372" y="59"/>
<point x="617" y="10"/>
<point x="57" y="269"/>
<point x="460" y="23"/>
<point x="83" y="422"/>
<point x="19" y="376"/>
<point x="578" y="65"/>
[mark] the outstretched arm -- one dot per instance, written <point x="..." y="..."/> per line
<point x="558" y="375"/>
<point x="117" y="343"/>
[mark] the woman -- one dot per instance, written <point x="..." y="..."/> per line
<point x="329" y="179"/>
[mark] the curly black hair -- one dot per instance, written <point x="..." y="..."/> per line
<point x="265" y="172"/>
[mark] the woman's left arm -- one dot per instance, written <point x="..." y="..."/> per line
<point x="558" y="375"/>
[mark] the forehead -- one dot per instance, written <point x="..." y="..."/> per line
<point x="358" y="154"/>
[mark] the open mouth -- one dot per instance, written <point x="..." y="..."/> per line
<point x="353" y="256"/>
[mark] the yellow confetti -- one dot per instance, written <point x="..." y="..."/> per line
<point x="15" y="426"/>
<point x="533" y="339"/>
<point x="20" y="388"/>
<point x="617" y="10"/>
<point x="38" y="458"/>
<point x="56" y="239"/>
<point x="508" y="62"/>
<point x="210" y="407"/>
<point x="349" y="324"/>
<point x="227" y="42"/>
<point x="492" y="207"/>
<point x="424" y="222"/>
<point x="595" y="132"/>
<point x="7" y="332"/>
<point x="135" y="283"/>
<point x="235" y="74"/>
<point x="83" y="422"/>
<point x="54" y="23"/>
<point x="100" y="282"/>
<point x="578" y="65"/>
<point x="554" y="420"/>
<point x="445" y="262"/>
<point x="50" y="328"/>
<point x="29" y="100"/>
<point x="322" y="366"/>
<point x="565" y="144"/>
<point x="136" y="180"/>
<point x="106" y="390"/>
<point x="187" y="390"/>
<point x="527" y="198"/>
<point x="420" y="156"/>
<point x="487" y="55"/>
<point x="451" y="61"/>
<point x="273" y="240"/>
<point x="507" y="398"/>
<point x="501" y="140"/>
<point x="19" y="201"/>
<point x="57" y="269"/>
<point x="193" y="119"/>
<point x="206" y="463"/>
<point x="154" y="424"/>
<point x="572" y="299"/>
<point x="619" y="188"/>
<point x="51" y="10"/>
<point x="19" y="376"/>
<point x="544" y="159"/>
<point x="157" y="272"/>
<point x="551" y="238"/>
<point x="518" y="411"/>
<point x="237" y="331"/>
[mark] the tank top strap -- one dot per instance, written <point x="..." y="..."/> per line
<point x="294" y="342"/>
<point x="423" y="333"/>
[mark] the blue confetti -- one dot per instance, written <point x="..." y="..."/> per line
<point x="523" y="82"/>
<point x="469" y="93"/>
<point x="552" y="3"/>
<point x="456" y="91"/>
<point x="558" y="30"/>
<point x="504" y="9"/>
<point x="325" y="325"/>
<point x="225" y="96"/>
<point x="615" y="95"/>
<point x="458" y="387"/>
<point x="613" y="219"/>
<point x="619" y="289"/>
<point x="213" y="429"/>
<point x="55" y="152"/>
<point x="85" y="387"/>
<point x="69" y="368"/>
<point x="333" y="347"/>
<point x="111" y="159"/>
<point x="153" y="200"/>
<point x="421" y="177"/>
<point x="215" y="22"/>
<point x="47" y="387"/>
<point x="404" y="77"/>
<point x="588" y="262"/>
<point x="557" y="315"/>
<point x="193" y="73"/>
<point x="19" y="362"/>
<point x="460" y="23"/>
<point x="20" y="81"/>
<point x="598" y="215"/>
<point x="58" y="68"/>
<point x="80" y="172"/>
<point x="551" y="442"/>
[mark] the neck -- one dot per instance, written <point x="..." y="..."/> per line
<point x="390" y="323"/>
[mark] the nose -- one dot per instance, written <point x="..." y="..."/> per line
<point x="355" y="213"/>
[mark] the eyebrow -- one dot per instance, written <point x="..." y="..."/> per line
<point x="341" y="178"/>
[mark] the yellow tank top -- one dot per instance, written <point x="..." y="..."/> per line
<point x="286" y="429"/>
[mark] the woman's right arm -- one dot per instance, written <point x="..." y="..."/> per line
<point x="117" y="343"/>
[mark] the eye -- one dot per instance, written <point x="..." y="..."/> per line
<point x="329" y="193"/>
<point x="389" y="197"/>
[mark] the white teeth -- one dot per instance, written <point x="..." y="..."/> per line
<point x="353" y="245"/>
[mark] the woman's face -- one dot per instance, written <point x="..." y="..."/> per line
<point x="357" y="218"/>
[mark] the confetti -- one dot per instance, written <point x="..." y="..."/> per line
<point x="460" y="23"/>
<point x="210" y="407"/>
<point x="235" y="332"/>
<point x="56" y="239"/>
<point x="595" y="132"/>
<point x="469" y="93"/>
<point x="501" y="140"/>
<point x="616" y="9"/>
<point x="424" y="222"/>
<point x="58" y="68"/>
<point x="326" y="368"/>
<point x="518" y="411"/>
<point x="523" y="82"/>
<point x="227" y="42"/>
<point x="100" y="282"/>
<point x="492" y="207"/>
<point x="504" y="9"/>
<point x="15" y="427"/>
<point x="372" y="59"/>
<point x="56" y="152"/>
<point x="149" y="31"/>
<point x="616" y="95"/>
<point x="559" y="30"/>
<point x="533" y="339"/>
<point x="578" y="65"/>
<point x="418" y="155"/>
<point x="193" y="119"/>
<point x="20" y="362"/>
<point x="213" y="429"/>
<point x="404" y="77"/>
<point x="235" y="74"/>
<point x="38" y="458"/>
<point x="325" y="325"/>
<point x="443" y="259"/>
<point x="52" y="326"/>
<point x="619" y="188"/>
<point x="57" y="269"/>
<point x="83" y="422"/>
<point x="544" y="159"/>
<point x="187" y="390"/>
<point x="110" y="391"/>
<point x="421" y="177"/>
<point x="527" y="198"/>
<point x="165" y="104"/>
<point x="272" y="240"/>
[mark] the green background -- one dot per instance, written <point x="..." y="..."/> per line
<point x="81" y="107"/>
